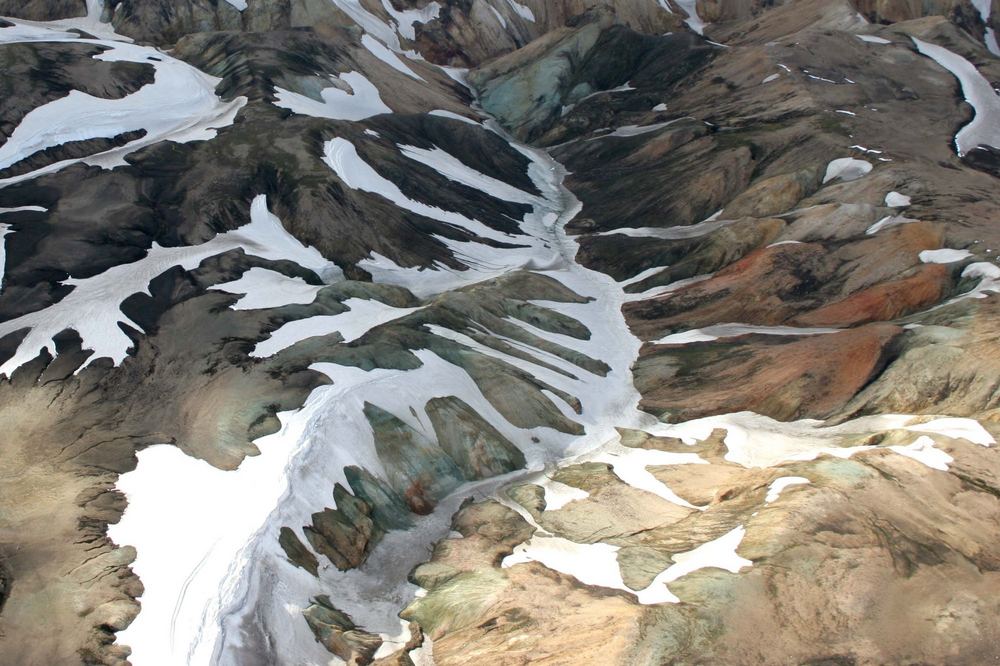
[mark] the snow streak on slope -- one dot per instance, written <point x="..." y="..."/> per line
<point x="358" y="320"/>
<point x="693" y="21"/>
<point x="717" y="331"/>
<point x="759" y="441"/>
<point x="985" y="9"/>
<point x="522" y="10"/>
<point x="380" y="51"/>
<point x="985" y="127"/>
<point x="180" y="105"/>
<point x="341" y="155"/>
<point x="93" y="308"/>
<point x="4" y="230"/>
<point x="362" y="102"/>
<point x="778" y="486"/>
<point x="401" y="23"/>
<point x="455" y="170"/>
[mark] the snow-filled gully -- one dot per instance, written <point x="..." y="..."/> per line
<point x="214" y="572"/>
<point x="212" y="568"/>
<point x="207" y="540"/>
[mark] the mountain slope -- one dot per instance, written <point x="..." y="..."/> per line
<point x="663" y="333"/>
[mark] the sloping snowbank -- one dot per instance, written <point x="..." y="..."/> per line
<point x="93" y="308"/>
<point x="985" y="126"/>
<point x="180" y="105"/>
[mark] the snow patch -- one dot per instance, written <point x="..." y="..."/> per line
<point x="897" y="200"/>
<point x="923" y="451"/>
<point x="263" y="288"/>
<point x="693" y="21"/>
<point x="717" y="331"/>
<point x="180" y="105"/>
<point x="400" y="24"/>
<point x="716" y="554"/>
<point x="778" y="485"/>
<point x="93" y="308"/>
<point x="984" y="129"/>
<point x="597" y="563"/>
<point x="944" y="256"/>
<point x="558" y="495"/>
<point x="846" y="169"/>
<point x="363" y="102"/>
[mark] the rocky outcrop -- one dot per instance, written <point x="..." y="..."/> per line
<point x="338" y="633"/>
<point x="345" y="535"/>
<point x="847" y="519"/>
<point x="471" y="33"/>
<point x="478" y="449"/>
<point x="533" y="88"/>
<point x="812" y="377"/>
<point x="164" y="22"/>
<point x="43" y="10"/>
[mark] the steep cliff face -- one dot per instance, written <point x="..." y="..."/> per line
<point x="496" y="331"/>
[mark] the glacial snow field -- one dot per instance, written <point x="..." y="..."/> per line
<point x="385" y="332"/>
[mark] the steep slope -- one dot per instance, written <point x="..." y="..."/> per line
<point x="616" y="348"/>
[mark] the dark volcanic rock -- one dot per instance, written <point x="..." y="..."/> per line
<point x="477" y="447"/>
<point x="338" y="633"/>
<point x="345" y="535"/>
<point x="38" y="73"/>
<point x="43" y="10"/>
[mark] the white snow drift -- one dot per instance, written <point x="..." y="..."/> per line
<point x="93" y="308"/>
<point x="985" y="126"/>
<point x="361" y="101"/>
<point x="180" y="105"/>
